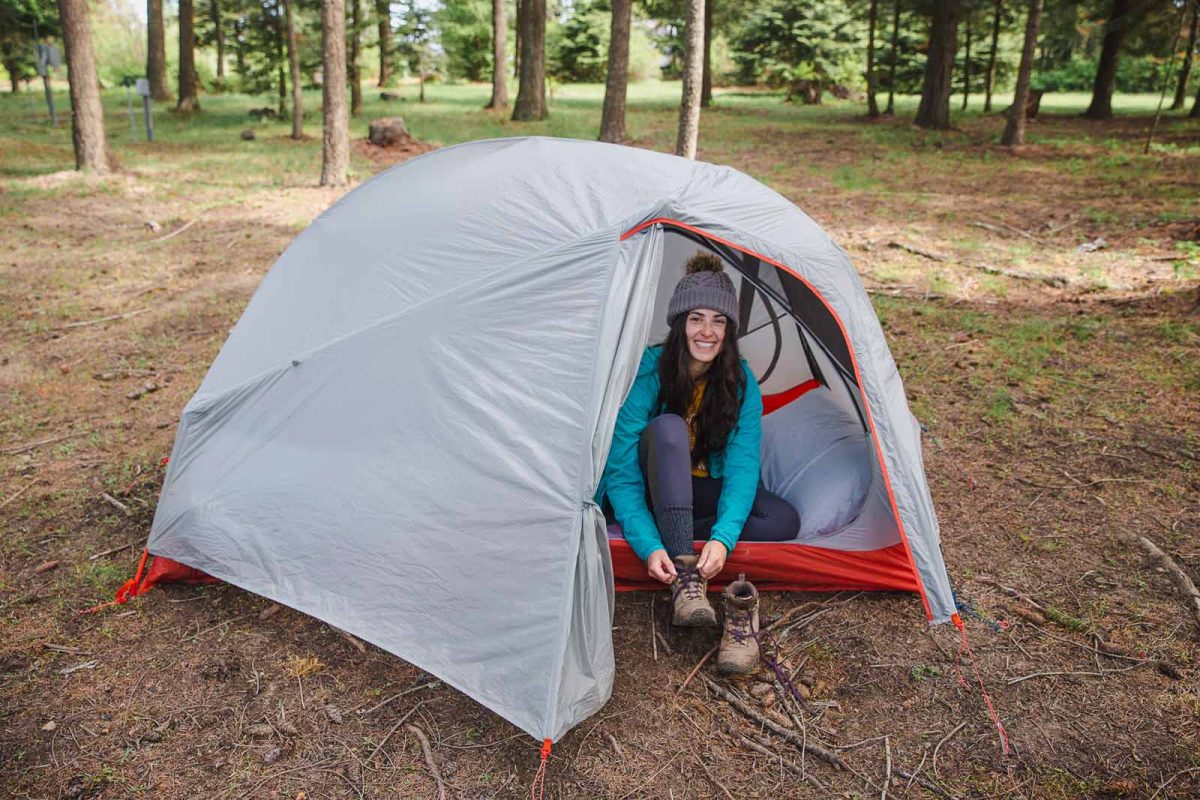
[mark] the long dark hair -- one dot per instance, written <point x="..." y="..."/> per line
<point x="725" y="385"/>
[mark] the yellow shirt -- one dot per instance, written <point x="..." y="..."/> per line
<point x="699" y="470"/>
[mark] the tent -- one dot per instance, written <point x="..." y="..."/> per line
<point x="403" y="434"/>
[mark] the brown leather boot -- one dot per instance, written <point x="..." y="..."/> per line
<point x="689" y="594"/>
<point x="739" y="641"/>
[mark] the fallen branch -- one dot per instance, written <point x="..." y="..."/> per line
<point x="25" y="448"/>
<point x="696" y="669"/>
<point x="115" y="503"/>
<point x="111" y="551"/>
<point x="1061" y="487"/>
<point x="19" y="492"/>
<point x="1183" y="582"/>
<point x="174" y="233"/>
<point x="428" y="753"/>
<point x="1049" y="280"/>
<point x="397" y="696"/>
<point x="653" y="629"/>
<point x="1002" y="228"/>
<point x="762" y="749"/>
<point x="394" y="728"/>
<point x="1101" y="674"/>
<point x="941" y="742"/>
<point x="817" y="750"/>
<point x="887" y="770"/>
<point x="356" y="643"/>
<point x="86" y="323"/>
<point x="725" y="791"/>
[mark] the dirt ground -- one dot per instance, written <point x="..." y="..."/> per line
<point x="1061" y="420"/>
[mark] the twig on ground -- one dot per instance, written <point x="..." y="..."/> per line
<point x="87" y="322"/>
<point x="696" y="669"/>
<point x="174" y="233"/>
<point x="25" y="448"/>
<point x="1002" y="228"/>
<point x="915" y="772"/>
<point x="111" y="551"/>
<point x="1101" y="674"/>
<point x="665" y="644"/>
<point x="928" y="784"/>
<point x="1063" y="487"/>
<point x="354" y="641"/>
<point x="819" y="751"/>
<point x="398" y="695"/>
<point x="428" y="754"/>
<point x="658" y="772"/>
<point x="281" y="773"/>
<point x="941" y="742"/>
<point x="393" y="729"/>
<point x="1172" y="779"/>
<point x="198" y="634"/>
<point x="712" y="778"/>
<point x="1049" y="280"/>
<point x="887" y="770"/>
<point x="653" y="628"/>
<point x="19" y="492"/>
<point x="758" y="747"/>
<point x="1183" y="582"/>
<point x="115" y="503"/>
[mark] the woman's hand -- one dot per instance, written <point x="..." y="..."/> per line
<point x="712" y="559"/>
<point x="661" y="568"/>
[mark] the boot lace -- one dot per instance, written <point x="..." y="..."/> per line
<point x="687" y="580"/>
<point x="740" y="625"/>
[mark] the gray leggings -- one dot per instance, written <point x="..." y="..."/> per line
<point x="685" y="507"/>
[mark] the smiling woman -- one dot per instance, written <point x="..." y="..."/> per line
<point x="685" y="458"/>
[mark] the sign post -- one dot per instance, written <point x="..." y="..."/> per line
<point x="142" y="86"/>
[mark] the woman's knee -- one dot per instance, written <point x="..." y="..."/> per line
<point x="669" y="431"/>
<point x="772" y="519"/>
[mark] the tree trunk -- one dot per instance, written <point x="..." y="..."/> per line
<point x="189" y="99"/>
<point x="499" y="73"/>
<point x="872" y="17"/>
<point x="891" y="103"/>
<point x="383" y="9"/>
<point x="87" y="115"/>
<point x="335" y="162"/>
<point x="706" y="81"/>
<point x="934" y="110"/>
<point x="531" y="95"/>
<point x="693" y="68"/>
<point x="1014" y="129"/>
<point x="517" y="41"/>
<point x="156" y="52"/>
<point x="967" y="65"/>
<point x="1195" y="113"/>
<point x="281" y="54"/>
<point x="355" y="68"/>
<point x="1110" y="54"/>
<point x="990" y="77"/>
<point x="293" y="53"/>
<point x="14" y="75"/>
<point x="239" y="45"/>
<point x="612" y="119"/>
<point x="219" y="33"/>
<point x="1186" y="68"/>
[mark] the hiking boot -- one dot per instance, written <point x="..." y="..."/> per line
<point x="689" y="595"/>
<point x="739" y="641"/>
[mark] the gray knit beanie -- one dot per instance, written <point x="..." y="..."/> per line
<point x="705" y="285"/>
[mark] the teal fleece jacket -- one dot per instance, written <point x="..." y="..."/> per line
<point x="625" y="486"/>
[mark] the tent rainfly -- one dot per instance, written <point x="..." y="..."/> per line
<point x="403" y="434"/>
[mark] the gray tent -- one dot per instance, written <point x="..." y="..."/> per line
<point x="403" y="434"/>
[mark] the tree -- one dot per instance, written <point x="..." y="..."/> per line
<point x="1014" y="129"/>
<point x="466" y="37"/>
<point x="1119" y="19"/>
<point x="355" y="67"/>
<point x="499" y="78"/>
<point x="872" y="17"/>
<point x="335" y="153"/>
<point x="383" y="10"/>
<point x="294" y="71"/>
<point x="693" y="74"/>
<point x="156" y="51"/>
<point x="894" y="59"/>
<point x="579" y="53"/>
<point x="967" y="60"/>
<point x="531" y="92"/>
<point x="189" y="99"/>
<point x="934" y="109"/>
<point x="1186" y="68"/>
<point x="612" y="118"/>
<point x="706" y="78"/>
<point x="990" y="77"/>
<point x="87" y="115"/>
<point x="214" y="9"/>
<point x="415" y="42"/>
<point x="22" y="24"/>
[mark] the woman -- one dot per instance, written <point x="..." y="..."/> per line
<point x="684" y="462"/>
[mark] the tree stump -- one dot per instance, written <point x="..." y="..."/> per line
<point x="388" y="131"/>
<point x="389" y="96"/>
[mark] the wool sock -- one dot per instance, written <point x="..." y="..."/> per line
<point x="675" y="527"/>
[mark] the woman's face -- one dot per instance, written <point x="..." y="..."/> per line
<point x="705" y="335"/>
